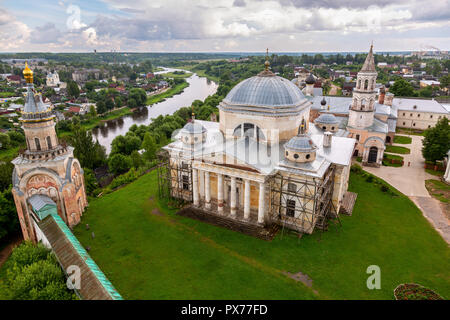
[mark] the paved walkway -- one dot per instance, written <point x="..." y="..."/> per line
<point x="410" y="180"/>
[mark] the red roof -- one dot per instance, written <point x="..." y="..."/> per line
<point x="14" y="78"/>
<point x="74" y="109"/>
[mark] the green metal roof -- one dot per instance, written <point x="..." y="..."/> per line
<point x="44" y="207"/>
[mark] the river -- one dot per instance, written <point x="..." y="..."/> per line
<point x="199" y="89"/>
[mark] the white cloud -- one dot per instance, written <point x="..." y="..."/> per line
<point x="185" y="25"/>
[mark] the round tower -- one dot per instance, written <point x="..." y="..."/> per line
<point x="362" y="109"/>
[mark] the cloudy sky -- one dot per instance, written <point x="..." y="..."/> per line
<point x="223" y="25"/>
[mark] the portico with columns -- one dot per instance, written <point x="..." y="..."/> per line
<point x="230" y="192"/>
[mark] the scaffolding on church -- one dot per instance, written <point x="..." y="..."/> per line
<point x="302" y="204"/>
<point x="174" y="179"/>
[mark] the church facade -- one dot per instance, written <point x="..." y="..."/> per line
<point x="46" y="172"/>
<point x="372" y="114"/>
<point x="263" y="163"/>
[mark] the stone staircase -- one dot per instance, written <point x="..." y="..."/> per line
<point x="249" y="228"/>
<point x="348" y="202"/>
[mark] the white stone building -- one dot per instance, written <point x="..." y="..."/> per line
<point x="263" y="163"/>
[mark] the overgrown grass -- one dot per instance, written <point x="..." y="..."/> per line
<point x="167" y="94"/>
<point x="402" y="139"/>
<point x="438" y="189"/>
<point x="148" y="252"/>
<point x="409" y="131"/>
<point x="397" y="149"/>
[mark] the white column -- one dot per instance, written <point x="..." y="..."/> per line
<point x="195" y="186"/>
<point x="220" y="193"/>
<point x="233" y="197"/>
<point x="201" y="177"/>
<point x="247" y="199"/>
<point x="207" y="191"/>
<point x="261" y="208"/>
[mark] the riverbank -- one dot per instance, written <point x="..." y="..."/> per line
<point x="201" y="73"/>
<point x="167" y="94"/>
<point x="92" y="123"/>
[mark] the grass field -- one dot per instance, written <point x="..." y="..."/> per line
<point x="148" y="252"/>
<point x="402" y="139"/>
<point x="169" y="93"/>
<point x="397" y="149"/>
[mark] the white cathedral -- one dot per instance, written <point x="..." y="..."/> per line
<point x="263" y="163"/>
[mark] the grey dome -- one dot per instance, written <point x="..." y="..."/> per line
<point x="323" y="102"/>
<point x="310" y="79"/>
<point x="326" y="118"/>
<point x="271" y="91"/>
<point x="193" y="128"/>
<point x="387" y="85"/>
<point x="302" y="143"/>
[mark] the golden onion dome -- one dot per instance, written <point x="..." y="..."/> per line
<point x="28" y="73"/>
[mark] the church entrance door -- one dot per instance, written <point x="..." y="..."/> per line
<point x="373" y="153"/>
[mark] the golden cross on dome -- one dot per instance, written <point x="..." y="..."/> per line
<point x="267" y="63"/>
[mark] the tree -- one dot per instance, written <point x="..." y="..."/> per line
<point x="32" y="273"/>
<point x="149" y="145"/>
<point x="136" y="159"/>
<point x="72" y="89"/>
<point x="125" y="144"/>
<point x="101" y="107"/>
<point x="138" y="95"/>
<point x="119" y="163"/>
<point x="89" y="152"/>
<point x="6" y="170"/>
<point x="16" y="138"/>
<point x="437" y="141"/>
<point x="402" y="88"/>
<point x="92" y="111"/>
<point x="109" y="104"/>
<point x="132" y="103"/>
<point x="4" y="140"/>
<point x="8" y="215"/>
<point x="89" y="180"/>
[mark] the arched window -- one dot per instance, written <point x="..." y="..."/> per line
<point x="249" y="130"/>
<point x="38" y="144"/>
<point x="366" y="84"/>
<point x="238" y="131"/>
<point x="49" y="142"/>
<point x="359" y="84"/>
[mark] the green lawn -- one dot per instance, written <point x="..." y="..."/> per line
<point x="397" y="149"/>
<point x="402" y="139"/>
<point x="148" y="255"/>
<point x="387" y="160"/>
<point x="167" y="94"/>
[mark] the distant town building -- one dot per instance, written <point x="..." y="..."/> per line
<point x="53" y="79"/>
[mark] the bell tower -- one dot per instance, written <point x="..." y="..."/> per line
<point x="362" y="109"/>
<point x="47" y="169"/>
